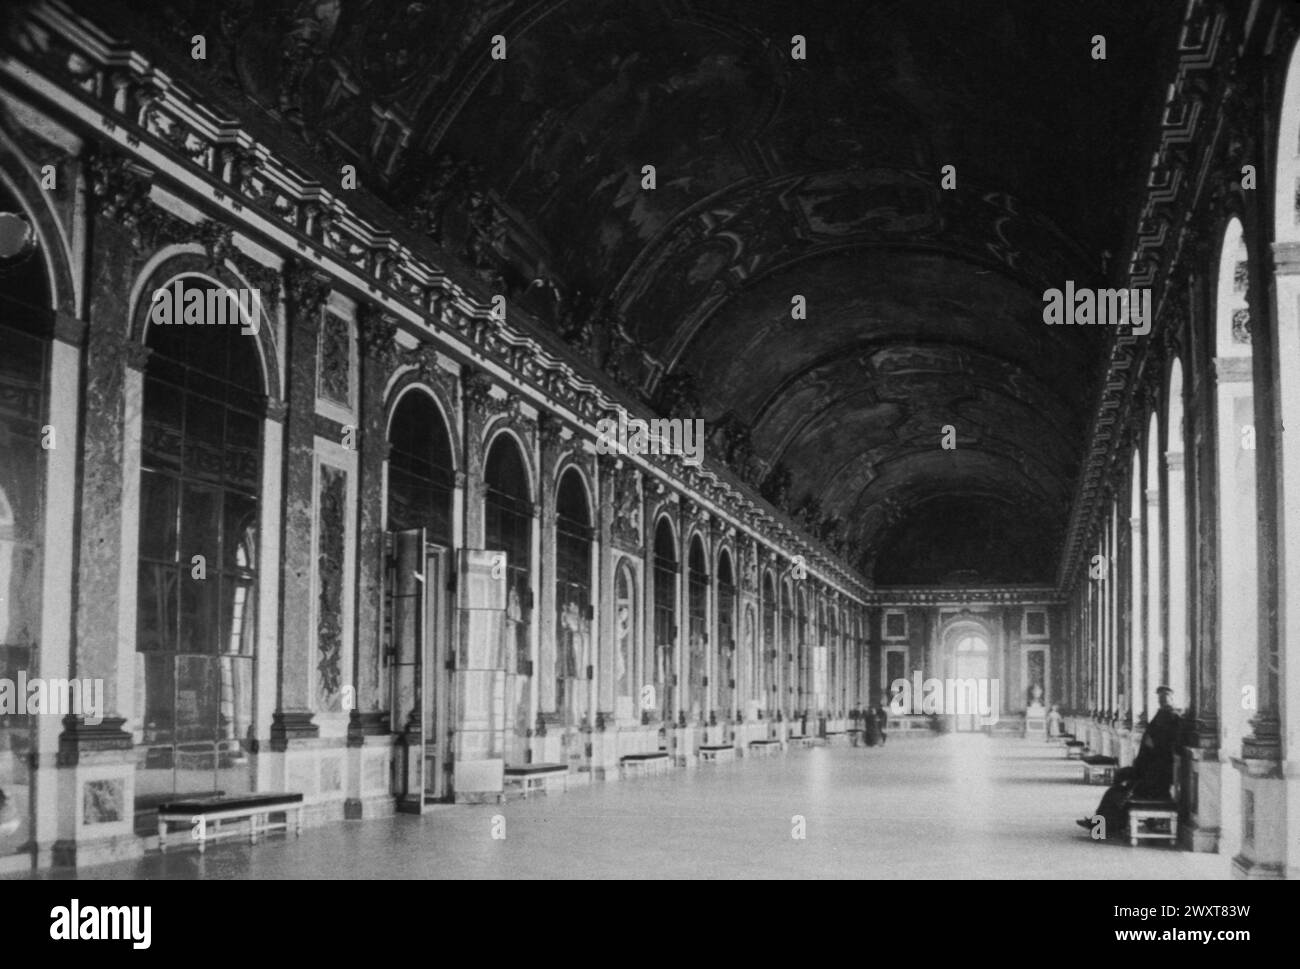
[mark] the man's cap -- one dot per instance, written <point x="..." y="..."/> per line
<point x="1164" y="689"/>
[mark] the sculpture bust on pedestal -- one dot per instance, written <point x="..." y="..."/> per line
<point x="1036" y="715"/>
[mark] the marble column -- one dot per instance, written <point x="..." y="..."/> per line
<point x="606" y="494"/>
<point x="378" y="356"/>
<point x="305" y="294"/>
<point x="110" y="363"/>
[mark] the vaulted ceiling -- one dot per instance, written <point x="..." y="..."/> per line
<point x="776" y="178"/>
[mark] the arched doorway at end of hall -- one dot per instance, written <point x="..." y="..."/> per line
<point x="971" y="696"/>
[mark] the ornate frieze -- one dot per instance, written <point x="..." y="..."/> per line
<point x="973" y="596"/>
<point x="334" y="362"/>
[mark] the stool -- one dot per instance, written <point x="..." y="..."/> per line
<point x="1099" y="770"/>
<point x="1148" y="812"/>
<point x="1074" y="750"/>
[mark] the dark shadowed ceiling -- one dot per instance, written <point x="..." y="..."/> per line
<point x="776" y="178"/>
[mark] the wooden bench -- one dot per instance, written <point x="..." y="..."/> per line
<point x="1074" y="750"/>
<point x="1099" y="770"/>
<point x="206" y="818"/>
<point x="146" y="808"/>
<point x="717" y="753"/>
<point x="835" y="737"/>
<point x="764" y="748"/>
<point x="802" y="740"/>
<point x="528" y="778"/>
<point x="1164" y="813"/>
<point x="640" y="765"/>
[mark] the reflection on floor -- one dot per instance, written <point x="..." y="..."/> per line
<point x="955" y="806"/>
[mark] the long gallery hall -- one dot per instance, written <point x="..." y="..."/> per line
<point x="691" y="439"/>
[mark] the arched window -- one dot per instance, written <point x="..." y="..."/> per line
<point x="665" y="615"/>
<point x="767" y="696"/>
<point x="421" y="479"/>
<point x="1238" y="571"/>
<point x="24" y="394"/>
<point x="1286" y="199"/>
<point x="970" y="661"/>
<point x="1137" y="604"/>
<point x="627" y="655"/>
<point x="1177" y="646"/>
<point x="697" y="616"/>
<point x="802" y="653"/>
<point x="421" y="475"/>
<point x="508" y="527"/>
<point x="833" y="684"/>
<point x="749" y="692"/>
<point x="1283" y="450"/>
<point x="728" y="663"/>
<point x="1154" y="545"/>
<point x="573" y="602"/>
<point x="789" y="645"/>
<point x="200" y="493"/>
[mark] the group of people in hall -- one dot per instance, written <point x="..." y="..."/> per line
<point x="1150" y="776"/>
<point x="873" y="720"/>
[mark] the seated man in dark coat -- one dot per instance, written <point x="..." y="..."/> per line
<point x="1152" y="773"/>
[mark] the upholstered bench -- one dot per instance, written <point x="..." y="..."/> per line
<point x="764" y="748"/>
<point x="836" y="737"/>
<point x="1099" y="770"/>
<point x="717" y="753"/>
<point x="207" y="818"/>
<point x="799" y="740"/>
<point x="529" y="778"/>
<point x="1152" y="814"/>
<point x="639" y="765"/>
<point x="1074" y="750"/>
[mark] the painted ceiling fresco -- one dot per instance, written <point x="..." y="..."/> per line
<point x="775" y="178"/>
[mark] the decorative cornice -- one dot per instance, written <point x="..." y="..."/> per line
<point x="965" y="596"/>
<point x="1177" y="174"/>
<point x="102" y="83"/>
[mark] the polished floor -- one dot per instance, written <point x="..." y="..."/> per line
<point x="954" y="806"/>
